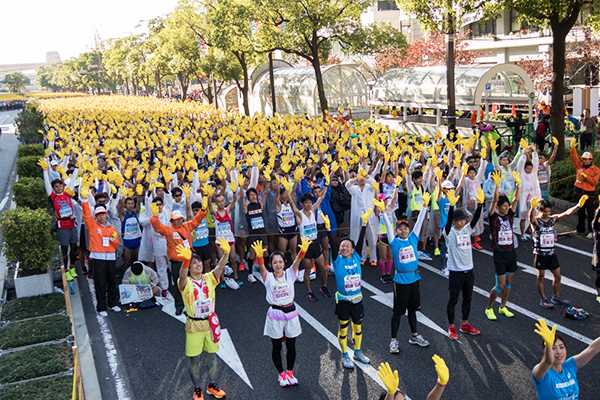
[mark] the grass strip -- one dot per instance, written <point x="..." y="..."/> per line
<point x="29" y="307"/>
<point x="35" y="362"/>
<point x="55" y="388"/>
<point x="34" y="331"/>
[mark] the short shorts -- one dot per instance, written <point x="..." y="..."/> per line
<point x="346" y="310"/>
<point x="545" y="262"/>
<point x="203" y="252"/>
<point x="196" y="343"/>
<point x="505" y="262"/>
<point x="277" y="329"/>
<point x="314" y="251"/>
<point x="321" y="231"/>
<point x="288" y="233"/>
<point x="407" y="297"/>
<point x="383" y="239"/>
<point x="67" y="236"/>
<point x="132" y="244"/>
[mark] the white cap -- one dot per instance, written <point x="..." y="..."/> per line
<point x="447" y="185"/>
<point x="99" y="210"/>
<point x="53" y="162"/>
<point x="176" y="214"/>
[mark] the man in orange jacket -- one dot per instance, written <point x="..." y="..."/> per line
<point x="178" y="233"/>
<point x="103" y="243"/>
<point x="585" y="184"/>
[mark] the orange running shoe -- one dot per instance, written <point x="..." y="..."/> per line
<point x="241" y="266"/>
<point x="198" y="394"/>
<point x="215" y="391"/>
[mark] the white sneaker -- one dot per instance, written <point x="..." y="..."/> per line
<point x="589" y="236"/>
<point x="103" y="313"/>
<point x="231" y="284"/>
<point x="228" y="270"/>
<point x="394" y="347"/>
<point x="446" y="272"/>
<point x="116" y="308"/>
<point x="251" y="278"/>
<point x="291" y="378"/>
<point x="283" y="379"/>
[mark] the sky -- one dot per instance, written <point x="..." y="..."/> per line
<point x="33" y="27"/>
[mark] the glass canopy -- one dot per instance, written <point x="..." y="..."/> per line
<point x="426" y="86"/>
<point x="296" y="90"/>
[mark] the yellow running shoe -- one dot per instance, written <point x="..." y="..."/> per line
<point x="68" y="275"/>
<point x="489" y="313"/>
<point x="73" y="272"/>
<point x="504" y="311"/>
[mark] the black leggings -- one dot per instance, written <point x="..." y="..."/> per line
<point x="290" y="344"/>
<point x="412" y="321"/>
<point x="69" y="255"/>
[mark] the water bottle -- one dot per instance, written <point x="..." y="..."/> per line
<point x="71" y="287"/>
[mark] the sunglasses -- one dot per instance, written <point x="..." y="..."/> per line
<point x="159" y="204"/>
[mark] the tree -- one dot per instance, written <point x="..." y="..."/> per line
<point x="561" y="16"/>
<point x="309" y="28"/>
<point x="16" y="81"/>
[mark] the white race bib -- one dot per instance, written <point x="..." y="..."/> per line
<point x="257" y="223"/>
<point x="407" y="255"/>
<point x="186" y="244"/>
<point x="505" y="238"/>
<point x="105" y="242"/>
<point x="352" y="283"/>
<point x="547" y="240"/>
<point x="223" y="229"/>
<point x="282" y="293"/>
<point x="463" y="242"/>
<point x="65" y="211"/>
<point x="310" y="231"/>
<point x="287" y="219"/>
<point x="132" y="229"/>
<point x="203" y="308"/>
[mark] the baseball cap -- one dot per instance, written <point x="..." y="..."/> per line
<point x="382" y="196"/>
<point x="53" y="162"/>
<point x="447" y="185"/>
<point x="99" y="210"/>
<point x="587" y="154"/>
<point x="176" y="214"/>
<point x="459" y="214"/>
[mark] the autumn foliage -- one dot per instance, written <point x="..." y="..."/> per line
<point x="427" y="51"/>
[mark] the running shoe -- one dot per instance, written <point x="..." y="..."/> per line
<point x="215" y="391"/>
<point x="524" y="238"/>
<point x="436" y="252"/>
<point x="68" y="276"/>
<point x="283" y="379"/>
<point x="325" y="291"/>
<point x="241" y="266"/>
<point x="446" y="272"/>
<point x="198" y="394"/>
<point x="590" y="236"/>
<point x="360" y="357"/>
<point x="394" y="347"/>
<point x="330" y="270"/>
<point x="251" y="278"/>
<point x="103" y="313"/>
<point x="116" y="309"/>
<point x="546" y="304"/>
<point x="291" y="378"/>
<point x="178" y="311"/>
<point x="231" y="284"/>
<point x="468" y="328"/>
<point x="239" y="282"/>
<point x="424" y="256"/>
<point x="418" y="340"/>
<point x="347" y="362"/>
<point x="223" y="285"/>
<point x="227" y="270"/>
<point x="477" y="246"/>
<point x="373" y="263"/>
<point x="384" y="279"/>
<point x="559" y="300"/>
<point x="489" y="313"/>
<point x="313" y="273"/>
<point x="452" y="333"/>
<point x="300" y="277"/>
<point x="73" y="272"/>
<point x="311" y="296"/>
<point x="478" y="239"/>
<point x="598" y="299"/>
<point x="164" y="293"/>
<point x="504" y="311"/>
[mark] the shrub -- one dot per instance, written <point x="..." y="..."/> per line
<point x="30" y="193"/>
<point x="56" y="388"/>
<point x="29" y="124"/>
<point x="563" y="178"/>
<point x="35" y="362"/>
<point x="30" y="150"/>
<point x="27" y="237"/>
<point x="35" y="306"/>
<point x="39" y="330"/>
<point x="28" y="167"/>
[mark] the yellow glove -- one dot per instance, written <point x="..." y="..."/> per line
<point x="523" y="143"/>
<point x="582" y="200"/>
<point x="186" y="189"/>
<point x="452" y="197"/>
<point x="581" y="177"/>
<point x="398" y="180"/>
<point x="457" y="160"/>
<point x="439" y="173"/>
<point x="304" y="243"/>
<point x="233" y="186"/>
<point x="379" y="203"/>
<point x="366" y="215"/>
<point x="184" y="252"/>
<point x="84" y="191"/>
<point x="493" y="145"/>
<point x="241" y="180"/>
<point x="258" y="248"/>
<point x="335" y="166"/>
<point x="465" y="168"/>
<point x="483" y="153"/>
<point x="441" y="369"/>
<point x="298" y="174"/>
<point x="546" y="333"/>
<point x="362" y="173"/>
<point x="534" y="202"/>
<point x="426" y="198"/>
<point x="375" y="186"/>
<point x="139" y="176"/>
<point x="154" y="209"/>
<point x="573" y="143"/>
<point x="69" y="191"/>
<point x="497" y="178"/>
<point x="223" y="244"/>
<point x="208" y="189"/>
<point x="42" y="163"/>
<point x="555" y="141"/>
<point x="205" y="203"/>
<point x="390" y="379"/>
<point x="517" y="178"/>
<point x="285" y="183"/>
<point x="480" y="196"/>
<point x="113" y="235"/>
<point x="139" y="189"/>
<point x="326" y="221"/>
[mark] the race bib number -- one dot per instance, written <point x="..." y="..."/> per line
<point x="203" y="308"/>
<point x="543" y="177"/>
<point x="310" y="231"/>
<point x="505" y="238"/>
<point x="105" y="242"/>
<point x="463" y="242"/>
<point x="223" y="229"/>
<point x="257" y="223"/>
<point x="547" y="240"/>
<point x="186" y="244"/>
<point x="287" y="219"/>
<point x="132" y="229"/>
<point x="418" y="199"/>
<point x="407" y="255"/>
<point x="282" y="293"/>
<point x="201" y="232"/>
<point x="65" y="211"/>
<point x="352" y="283"/>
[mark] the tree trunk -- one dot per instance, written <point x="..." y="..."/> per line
<point x="319" y="76"/>
<point x="244" y="89"/>
<point x="157" y="82"/>
<point x="127" y="86"/>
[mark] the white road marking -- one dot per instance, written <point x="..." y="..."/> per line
<point x="527" y="313"/>
<point x="227" y="351"/>
<point x="4" y="201"/>
<point x="573" y="249"/>
<point x="564" y="280"/>
<point x="111" y="351"/>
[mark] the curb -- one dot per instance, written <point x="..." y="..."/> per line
<point x="560" y="203"/>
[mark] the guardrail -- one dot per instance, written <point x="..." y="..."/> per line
<point x="77" y="381"/>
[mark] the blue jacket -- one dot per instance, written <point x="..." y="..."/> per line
<point x="325" y="206"/>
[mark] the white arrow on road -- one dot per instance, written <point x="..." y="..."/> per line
<point x="227" y="351"/>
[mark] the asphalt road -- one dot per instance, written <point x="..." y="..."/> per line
<point x="141" y="354"/>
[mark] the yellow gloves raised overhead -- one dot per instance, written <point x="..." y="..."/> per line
<point x="366" y="215"/>
<point x="379" y="204"/>
<point x="184" y="252"/>
<point x="42" y="163"/>
<point x="326" y="221"/>
<point x="398" y="180"/>
<point x="517" y="178"/>
<point x="186" y="189"/>
<point x="452" y="197"/>
<point x="69" y="191"/>
<point x="573" y="143"/>
<point x="154" y="209"/>
<point x="426" y="198"/>
<point x="258" y="248"/>
<point x="303" y="246"/>
<point x="441" y="369"/>
<point x="480" y="196"/>
<point x="84" y="191"/>
<point x="545" y="332"/>
<point x="223" y="244"/>
<point x="390" y="379"/>
<point x="555" y="141"/>
<point x="534" y="202"/>
<point x="497" y="178"/>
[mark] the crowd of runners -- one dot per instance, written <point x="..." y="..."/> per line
<point x="192" y="201"/>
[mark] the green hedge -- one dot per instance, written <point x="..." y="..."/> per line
<point x="563" y="177"/>
<point x="34" y="331"/>
<point x="35" y="362"/>
<point x="27" y="237"/>
<point x="48" y="389"/>
<point x="36" y="306"/>
<point x="30" y="192"/>
<point x="27" y="167"/>
<point x="29" y="124"/>
<point x="30" y="150"/>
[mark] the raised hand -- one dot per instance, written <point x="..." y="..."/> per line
<point x="546" y="333"/>
<point x="426" y="198"/>
<point x="582" y="201"/>
<point x="84" y="191"/>
<point x="441" y="369"/>
<point x="258" y="248"/>
<point x="154" y="209"/>
<point x="326" y="221"/>
<point x="452" y="197"/>
<point x="380" y="204"/>
<point x="223" y="244"/>
<point x="304" y="243"/>
<point x="573" y="143"/>
<point x="534" y="202"/>
<point x="497" y="178"/>
<point x="186" y="189"/>
<point x="398" y="180"/>
<point x="480" y="196"/>
<point x="517" y="178"/>
<point x="390" y="379"/>
<point x="366" y="215"/>
<point x="555" y="141"/>
<point x="42" y="163"/>
<point x="183" y="252"/>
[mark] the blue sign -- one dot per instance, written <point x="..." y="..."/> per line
<point x="488" y="86"/>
